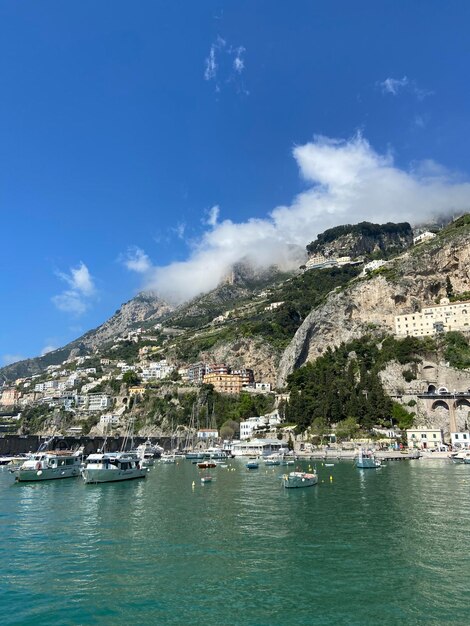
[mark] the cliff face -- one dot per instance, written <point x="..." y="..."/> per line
<point x="364" y="239"/>
<point x="255" y="354"/>
<point x="369" y="305"/>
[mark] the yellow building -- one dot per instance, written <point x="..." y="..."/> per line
<point x="137" y="391"/>
<point x="434" y="319"/>
<point x="425" y="438"/>
<point x="224" y="383"/>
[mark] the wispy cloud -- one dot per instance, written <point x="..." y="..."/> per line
<point x="212" y="216"/>
<point x="48" y="348"/>
<point x="347" y="181"/>
<point x="393" y="86"/>
<point x="77" y="298"/>
<point x="136" y="260"/>
<point x="211" y="65"/>
<point x="225" y="64"/>
<point x="8" y="359"/>
<point x="179" y="230"/>
<point x="238" y="62"/>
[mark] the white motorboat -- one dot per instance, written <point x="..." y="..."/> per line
<point x="295" y="480"/>
<point x="13" y="461"/>
<point x="112" y="467"/>
<point x="462" y="456"/>
<point x="147" y="452"/>
<point x="49" y="465"/>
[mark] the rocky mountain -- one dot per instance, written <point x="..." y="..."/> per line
<point x="419" y="277"/>
<point x="363" y="240"/>
<point x="142" y="308"/>
<point x="274" y="322"/>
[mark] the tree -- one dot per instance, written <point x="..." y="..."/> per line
<point x="131" y="378"/>
<point x="229" y="429"/>
<point x="346" y="429"/>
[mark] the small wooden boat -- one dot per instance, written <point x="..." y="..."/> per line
<point x="206" y="479"/>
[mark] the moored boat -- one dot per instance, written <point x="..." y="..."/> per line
<point x="461" y="456"/>
<point x="295" y="480"/>
<point x="112" y="467"/>
<point x="49" y="465"/>
<point x="206" y="464"/>
<point x="252" y="465"/>
<point x="366" y="460"/>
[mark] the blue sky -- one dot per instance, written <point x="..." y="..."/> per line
<point x="152" y="144"/>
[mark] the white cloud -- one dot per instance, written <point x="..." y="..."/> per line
<point x="136" y="260"/>
<point x="179" y="229"/>
<point x="238" y="62"/>
<point x="348" y="181"/>
<point x="8" y="359"/>
<point x="224" y="65"/>
<point x="212" y="215"/>
<point x="75" y="300"/>
<point x="211" y="64"/>
<point x="393" y="85"/>
<point x="48" y="348"/>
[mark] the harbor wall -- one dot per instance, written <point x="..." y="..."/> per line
<point x="20" y="444"/>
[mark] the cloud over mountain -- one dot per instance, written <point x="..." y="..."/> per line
<point x="348" y="181"/>
<point x="76" y="299"/>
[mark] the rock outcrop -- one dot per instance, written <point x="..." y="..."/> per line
<point x="369" y="305"/>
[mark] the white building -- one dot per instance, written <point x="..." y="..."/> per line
<point x="373" y="265"/>
<point x="460" y="440"/>
<point x="98" y="401"/>
<point x="111" y="420"/>
<point x="266" y="387"/>
<point x="426" y="236"/>
<point x="425" y="438"/>
<point x="434" y="319"/>
<point x="258" y="447"/>
<point x="208" y="433"/>
<point x="157" y="371"/>
<point x="253" y="424"/>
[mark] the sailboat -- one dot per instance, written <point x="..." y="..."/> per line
<point x="190" y="452"/>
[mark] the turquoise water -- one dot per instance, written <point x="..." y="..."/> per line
<point x="371" y="547"/>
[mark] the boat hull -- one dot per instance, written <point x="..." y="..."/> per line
<point x="94" y="476"/>
<point x="30" y="475"/>
<point x="297" y="480"/>
<point x="367" y="464"/>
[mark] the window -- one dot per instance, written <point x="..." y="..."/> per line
<point x="434" y="436"/>
<point x="423" y="435"/>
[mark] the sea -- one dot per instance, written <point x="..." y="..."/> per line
<point x="373" y="547"/>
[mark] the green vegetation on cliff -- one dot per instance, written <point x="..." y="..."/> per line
<point x="457" y="350"/>
<point x="299" y="296"/>
<point x="344" y="383"/>
<point x="367" y="237"/>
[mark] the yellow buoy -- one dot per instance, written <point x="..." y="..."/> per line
<point x="331" y="479"/>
